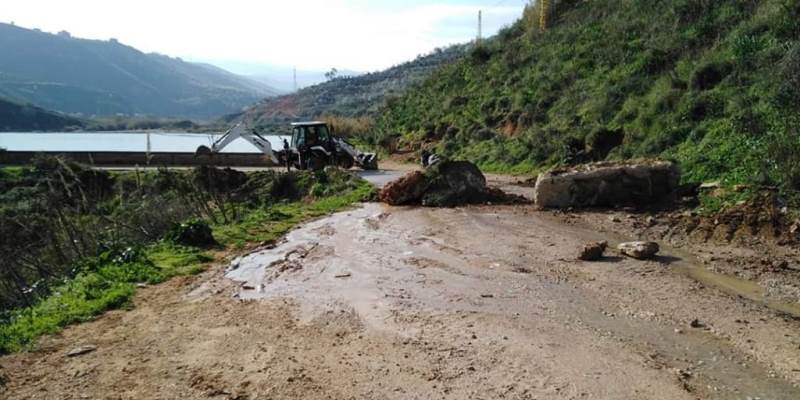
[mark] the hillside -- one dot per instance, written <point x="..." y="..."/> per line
<point x="24" y="117"/>
<point x="91" y="77"/>
<point x="351" y="96"/>
<point x="714" y="85"/>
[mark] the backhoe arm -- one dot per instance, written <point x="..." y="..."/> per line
<point x="240" y="131"/>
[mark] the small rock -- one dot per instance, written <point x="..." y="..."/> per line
<point x="593" y="251"/>
<point x="696" y="324"/>
<point x="79" y="351"/>
<point x="487" y="296"/>
<point x="780" y="264"/>
<point x="651" y="221"/>
<point x="614" y="219"/>
<point x="343" y="275"/>
<point x="679" y="331"/>
<point x="639" y="250"/>
<point x="708" y="186"/>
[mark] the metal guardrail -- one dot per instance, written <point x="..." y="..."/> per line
<point x="130" y="159"/>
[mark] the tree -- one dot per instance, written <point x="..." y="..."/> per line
<point x="332" y="74"/>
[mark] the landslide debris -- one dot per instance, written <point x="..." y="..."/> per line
<point x="608" y="184"/>
<point x="445" y="184"/>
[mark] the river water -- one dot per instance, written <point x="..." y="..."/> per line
<point x="123" y="141"/>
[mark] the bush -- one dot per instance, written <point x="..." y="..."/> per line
<point x="194" y="233"/>
<point x="790" y="72"/>
<point x="710" y="75"/>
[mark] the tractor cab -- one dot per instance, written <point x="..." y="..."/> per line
<point x="312" y="147"/>
<point x="311" y="134"/>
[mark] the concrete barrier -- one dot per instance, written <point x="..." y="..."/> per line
<point x="130" y="159"/>
<point x="609" y="184"/>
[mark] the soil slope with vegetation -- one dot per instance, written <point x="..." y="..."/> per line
<point x="714" y="85"/>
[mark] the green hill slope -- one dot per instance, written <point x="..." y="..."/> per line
<point x="93" y="77"/>
<point x="347" y="96"/>
<point x="714" y="85"/>
<point x="24" y="117"/>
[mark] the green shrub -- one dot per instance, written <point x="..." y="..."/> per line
<point x="193" y="233"/>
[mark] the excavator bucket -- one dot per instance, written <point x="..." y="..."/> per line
<point x="368" y="161"/>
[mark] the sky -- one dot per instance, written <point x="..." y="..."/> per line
<point x="356" y="35"/>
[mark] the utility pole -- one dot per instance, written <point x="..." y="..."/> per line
<point x="295" y="79"/>
<point x="147" y="156"/>
<point x="480" y="27"/>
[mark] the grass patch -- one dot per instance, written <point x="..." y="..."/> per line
<point x="175" y="260"/>
<point x="110" y="280"/>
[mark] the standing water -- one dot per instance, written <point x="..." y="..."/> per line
<point x="177" y="142"/>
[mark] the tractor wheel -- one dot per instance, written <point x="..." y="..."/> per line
<point x="317" y="162"/>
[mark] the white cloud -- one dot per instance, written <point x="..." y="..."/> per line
<point x="312" y="34"/>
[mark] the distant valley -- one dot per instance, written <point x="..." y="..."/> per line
<point x="89" y="78"/>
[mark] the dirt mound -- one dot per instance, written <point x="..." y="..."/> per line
<point x="635" y="183"/>
<point x="405" y="190"/>
<point x="763" y="217"/>
<point x="445" y="184"/>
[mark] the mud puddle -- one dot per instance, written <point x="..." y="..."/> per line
<point x="511" y="273"/>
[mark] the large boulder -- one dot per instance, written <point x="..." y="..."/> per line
<point x="444" y="184"/>
<point x="608" y="184"/>
<point x="452" y="183"/>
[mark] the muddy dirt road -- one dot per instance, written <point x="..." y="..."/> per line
<point x="408" y="303"/>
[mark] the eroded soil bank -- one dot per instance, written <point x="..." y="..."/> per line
<point x="399" y="303"/>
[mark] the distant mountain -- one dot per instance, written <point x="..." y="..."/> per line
<point x="351" y="96"/>
<point x="23" y="117"/>
<point x="92" y="77"/>
<point x="279" y="77"/>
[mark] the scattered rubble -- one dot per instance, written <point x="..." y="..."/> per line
<point x="593" y="251"/>
<point x="608" y="184"/>
<point x="444" y="184"/>
<point x="639" y="250"/>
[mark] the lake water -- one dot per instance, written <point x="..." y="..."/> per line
<point x="124" y="141"/>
